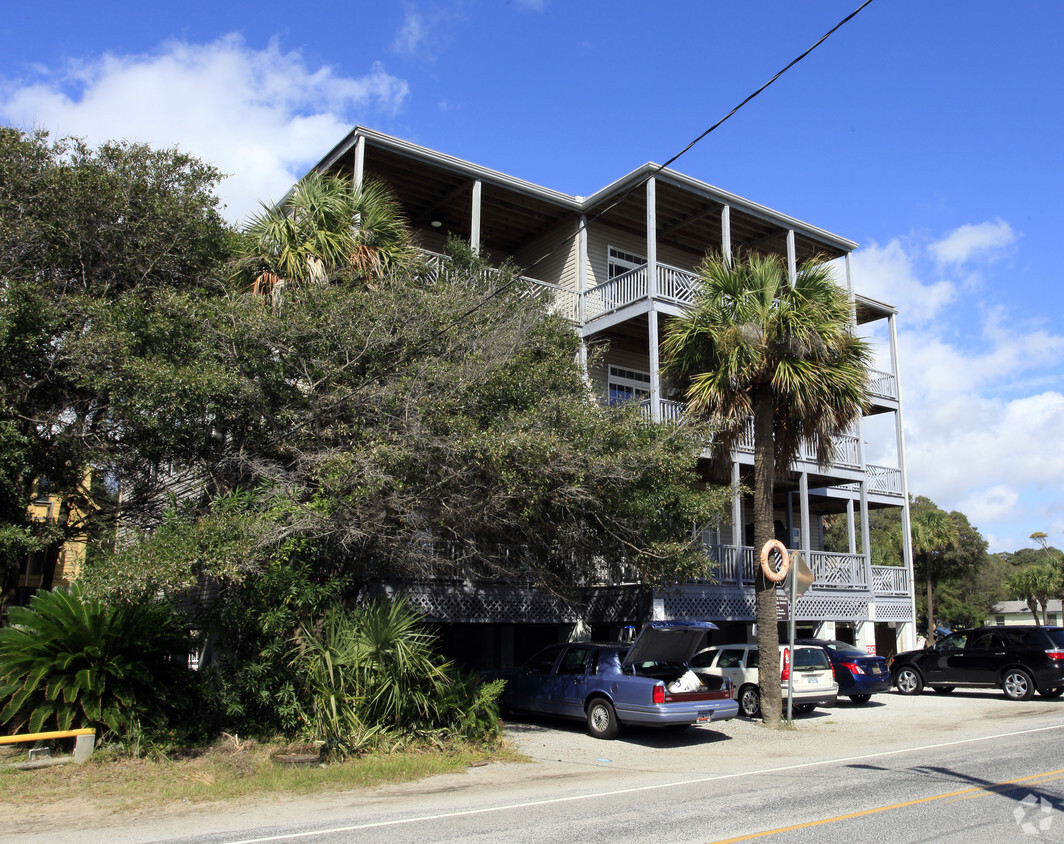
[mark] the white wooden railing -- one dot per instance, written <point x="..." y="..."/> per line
<point x="889" y="580"/>
<point x="833" y="572"/>
<point x="883" y="384"/>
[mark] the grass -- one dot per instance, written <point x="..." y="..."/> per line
<point x="228" y="770"/>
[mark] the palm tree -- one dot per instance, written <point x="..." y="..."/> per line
<point x="321" y="229"/>
<point x="758" y="344"/>
<point x="1035" y="585"/>
<point x="933" y="533"/>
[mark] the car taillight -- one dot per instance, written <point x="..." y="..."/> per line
<point x="659" y="693"/>
<point x="786" y="673"/>
<point x="853" y="667"/>
<point x="1056" y="653"/>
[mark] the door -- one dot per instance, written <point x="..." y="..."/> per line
<point x="984" y="658"/>
<point x="944" y="664"/>
<point x="568" y="686"/>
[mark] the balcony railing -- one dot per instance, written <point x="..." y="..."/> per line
<point x="616" y="293"/>
<point x="832" y="572"/>
<point x="670" y="411"/>
<point x="889" y="580"/>
<point x="883" y="384"/>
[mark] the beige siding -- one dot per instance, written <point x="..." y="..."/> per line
<point x="560" y="246"/>
<point x="623" y="352"/>
<point x="601" y="238"/>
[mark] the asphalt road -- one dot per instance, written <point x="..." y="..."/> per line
<point x="971" y="767"/>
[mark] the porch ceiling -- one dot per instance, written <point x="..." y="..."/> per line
<point x="429" y="190"/>
<point x="691" y="221"/>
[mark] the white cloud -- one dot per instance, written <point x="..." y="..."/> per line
<point x="261" y="116"/>
<point x="972" y="240"/>
<point x="412" y="34"/>
<point x="886" y="273"/>
<point x="983" y="387"/>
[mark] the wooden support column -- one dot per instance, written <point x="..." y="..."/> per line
<point x="792" y="257"/>
<point x="359" y="164"/>
<point x="803" y="510"/>
<point x="725" y="234"/>
<point x="652" y="293"/>
<point x="474" y="223"/>
<point x="737" y="522"/>
<point x="899" y="430"/>
<point x="851" y="526"/>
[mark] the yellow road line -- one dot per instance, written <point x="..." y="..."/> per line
<point x="984" y="789"/>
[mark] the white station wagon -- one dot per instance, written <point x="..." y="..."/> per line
<point x="814" y="679"/>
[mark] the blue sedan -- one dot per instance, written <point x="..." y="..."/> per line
<point x="858" y="673"/>
<point x="610" y="684"/>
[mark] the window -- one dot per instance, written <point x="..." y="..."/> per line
<point x="730" y="658"/>
<point x="574" y="661"/>
<point x="621" y="262"/>
<point x="628" y="384"/>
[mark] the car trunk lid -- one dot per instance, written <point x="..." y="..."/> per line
<point x="667" y="641"/>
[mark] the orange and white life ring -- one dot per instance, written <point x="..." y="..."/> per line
<point x="785" y="561"/>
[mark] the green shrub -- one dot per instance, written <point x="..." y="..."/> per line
<point x="69" y="661"/>
<point x="375" y="672"/>
<point x="250" y="686"/>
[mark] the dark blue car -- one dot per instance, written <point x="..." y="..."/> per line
<point x="859" y="674"/>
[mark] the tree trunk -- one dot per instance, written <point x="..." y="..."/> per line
<point x="932" y="635"/>
<point x="768" y="636"/>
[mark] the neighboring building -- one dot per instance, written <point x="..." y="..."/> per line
<point x="1017" y="612"/>
<point x="58" y="565"/>
<point x="618" y="265"/>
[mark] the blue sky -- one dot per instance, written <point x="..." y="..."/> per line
<point x="928" y="132"/>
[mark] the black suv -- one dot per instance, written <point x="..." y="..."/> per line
<point x="1017" y="660"/>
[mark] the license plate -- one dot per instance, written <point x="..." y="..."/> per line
<point x="814" y="679"/>
<point x="705" y="716"/>
<point x="877" y="669"/>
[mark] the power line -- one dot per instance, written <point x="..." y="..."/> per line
<point x="640" y="183"/>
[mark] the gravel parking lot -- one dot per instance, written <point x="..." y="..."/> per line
<point x="888" y="721"/>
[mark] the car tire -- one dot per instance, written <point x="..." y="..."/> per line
<point x="944" y="690"/>
<point x="602" y="719"/>
<point x="1057" y="692"/>
<point x="749" y="699"/>
<point x="909" y="681"/>
<point x="803" y="708"/>
<point x="1017" y="684"/>
<point x="860" y="698"/>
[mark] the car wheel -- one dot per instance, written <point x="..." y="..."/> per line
<point x="750" y="701"/>
<point x="1052" y="692"/>
<point x="909" y="682"/>
<point x="802" y="708"/>
<point x="1017" y="684"/>
<point x="860" y="698"/>
<point x="602" y="719"/>
<point x="943" y="690"/>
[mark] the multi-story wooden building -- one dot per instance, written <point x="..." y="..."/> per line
<point x="618" y="264"/>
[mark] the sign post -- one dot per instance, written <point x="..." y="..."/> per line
<point x="798" y="581"/>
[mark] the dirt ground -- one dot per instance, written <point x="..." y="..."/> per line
<point x="560" y="751"/>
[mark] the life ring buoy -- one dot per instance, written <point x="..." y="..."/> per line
<point x="785" y="564"/>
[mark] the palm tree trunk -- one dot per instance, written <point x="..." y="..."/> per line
<point x="768" y="638"/>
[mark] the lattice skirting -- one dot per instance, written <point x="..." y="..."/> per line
<point x="499" y="604"/>
<point x="716" y="604"/>
<point x="893" y="610"/>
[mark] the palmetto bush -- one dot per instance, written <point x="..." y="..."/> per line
<point x="70" y="661"/>
<point x="374" y="672"/>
